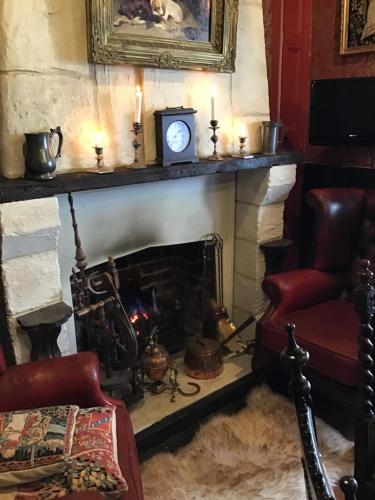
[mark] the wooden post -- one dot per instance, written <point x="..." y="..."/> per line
<point x="363" y="300"/>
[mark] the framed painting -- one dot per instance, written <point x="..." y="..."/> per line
<point x="173" y="34"/>
<point x="357" y="26"/>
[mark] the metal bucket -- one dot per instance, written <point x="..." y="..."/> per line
<point x="271" y="137"/>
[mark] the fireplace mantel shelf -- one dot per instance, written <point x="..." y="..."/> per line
<point x="24" y="189"/>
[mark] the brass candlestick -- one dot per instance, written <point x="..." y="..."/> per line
<point x="242" y="145"/>
<point x="214" y="138"/>
<point x="137" y="130"/>
<point x="100" y="167"/>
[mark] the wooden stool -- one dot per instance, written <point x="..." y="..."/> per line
<point x="43" y="328"/>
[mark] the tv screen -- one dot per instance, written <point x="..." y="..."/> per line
<point x="342" y="112"/>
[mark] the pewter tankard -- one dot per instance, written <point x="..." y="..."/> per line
<point x="40" y="162"/>
<point x="271" y="137"/>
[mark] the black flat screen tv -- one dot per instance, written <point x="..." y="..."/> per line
<point x="342" y="112"/>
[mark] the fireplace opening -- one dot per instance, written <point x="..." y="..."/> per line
<point x="165" y="287"/>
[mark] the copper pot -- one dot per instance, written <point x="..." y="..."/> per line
<point x="203" y="358"/>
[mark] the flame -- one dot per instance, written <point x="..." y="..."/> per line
<point x="137" y="315"/>
<point x="99" y="139"/>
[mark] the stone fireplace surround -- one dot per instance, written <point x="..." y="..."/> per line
<point x="37" y="247"/>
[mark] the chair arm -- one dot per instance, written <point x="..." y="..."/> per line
<point x="67" y="380"/>
<point x="299" y="289"/>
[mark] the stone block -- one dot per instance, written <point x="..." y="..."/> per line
<point x="29" y="216"/>
<point x="271" y="222"/>
<point x="29" y="227"/>
<point x="250" y="78"/>
<point x="31" y="282"/>
<point x="265" y="186"/>
<point x="44" y="36"/>
<point x="282" y="175"/>
<point x="248" y="259"/>
<point x="248" y="295"/>
<point x="259" y="224"/>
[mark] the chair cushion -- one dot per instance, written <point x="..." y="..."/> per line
<point x="35" y="443"/>
<point x="94" y="465"/>
<point x="329" y="331"/>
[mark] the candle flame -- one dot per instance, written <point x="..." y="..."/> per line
<point x="99" y="139"/>
<point x="242" y="130"/>
<point x="213" y="91"/>
<point x="138" y="89"/>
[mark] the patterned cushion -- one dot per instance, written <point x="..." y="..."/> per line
<point x="95" y="442"/>
<point x="94" y="465"/>
<point x="35" y="443"/>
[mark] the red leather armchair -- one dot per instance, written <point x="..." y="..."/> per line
<point x="315" y="298"/>
<point x="70" y="380"/>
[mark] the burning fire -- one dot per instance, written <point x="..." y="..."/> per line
<point x="138" y="314"/>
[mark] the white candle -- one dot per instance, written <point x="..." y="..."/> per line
<point x="213" y="94"/>
<point x="138" y="104"/>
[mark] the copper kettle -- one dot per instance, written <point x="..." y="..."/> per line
<point x="155" y="360"/>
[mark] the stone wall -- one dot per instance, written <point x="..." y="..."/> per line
<point x="260" y="197"/>
<point x="30" y="267"/>
<point x="45" y="81"/>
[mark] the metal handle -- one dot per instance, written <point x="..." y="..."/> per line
<point x="57" y="131"/>
<point x="245" y="324"/>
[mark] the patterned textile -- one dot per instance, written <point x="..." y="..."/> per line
<point x="94" y="463"/>
<point x="95" y="441"/>
<point x="35" y="443"/>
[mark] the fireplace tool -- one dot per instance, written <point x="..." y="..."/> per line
<point x="215" y="319"/>
<point x="108" y="330"/>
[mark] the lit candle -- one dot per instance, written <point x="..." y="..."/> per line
<point x="138" y="104"/>
<point x="213" y="95"/>
<point x="242" y="132"/>
<point x="99" y="139"/>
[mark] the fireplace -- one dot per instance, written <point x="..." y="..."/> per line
<point x="164" y="287"/>
<point x="152" y="231"/>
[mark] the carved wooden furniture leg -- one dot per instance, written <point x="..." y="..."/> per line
<point x="295" y="358"/>
<point x="317" y="483"/>
<point x="43" y="328"/>
<point x="363" y="299"/>
<point x="349" y="487"/>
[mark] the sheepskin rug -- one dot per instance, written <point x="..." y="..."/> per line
<point x="253" y="454"/>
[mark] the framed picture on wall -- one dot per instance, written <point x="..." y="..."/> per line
<point x="357" y="26"/>
<point x="173" y="34"/>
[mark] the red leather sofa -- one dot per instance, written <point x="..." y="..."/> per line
<point x="316" y="298"/>
<point x="70" y="380"/>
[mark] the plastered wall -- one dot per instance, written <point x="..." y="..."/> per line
<point x="45" y="80"/>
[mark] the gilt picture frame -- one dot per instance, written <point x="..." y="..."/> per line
<point x="171" y="34"/>
<point x="357" y="26"/>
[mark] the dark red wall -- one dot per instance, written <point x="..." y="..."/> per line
<point x="327" y="63"/>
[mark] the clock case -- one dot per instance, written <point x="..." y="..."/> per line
<point x="163" y="119"/>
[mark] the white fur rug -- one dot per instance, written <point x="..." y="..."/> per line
<point x="253" y="454"/>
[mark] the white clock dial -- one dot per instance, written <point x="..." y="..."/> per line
<point x="178" y="136"/>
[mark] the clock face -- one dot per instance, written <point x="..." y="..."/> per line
<point x="178" y="136"/>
